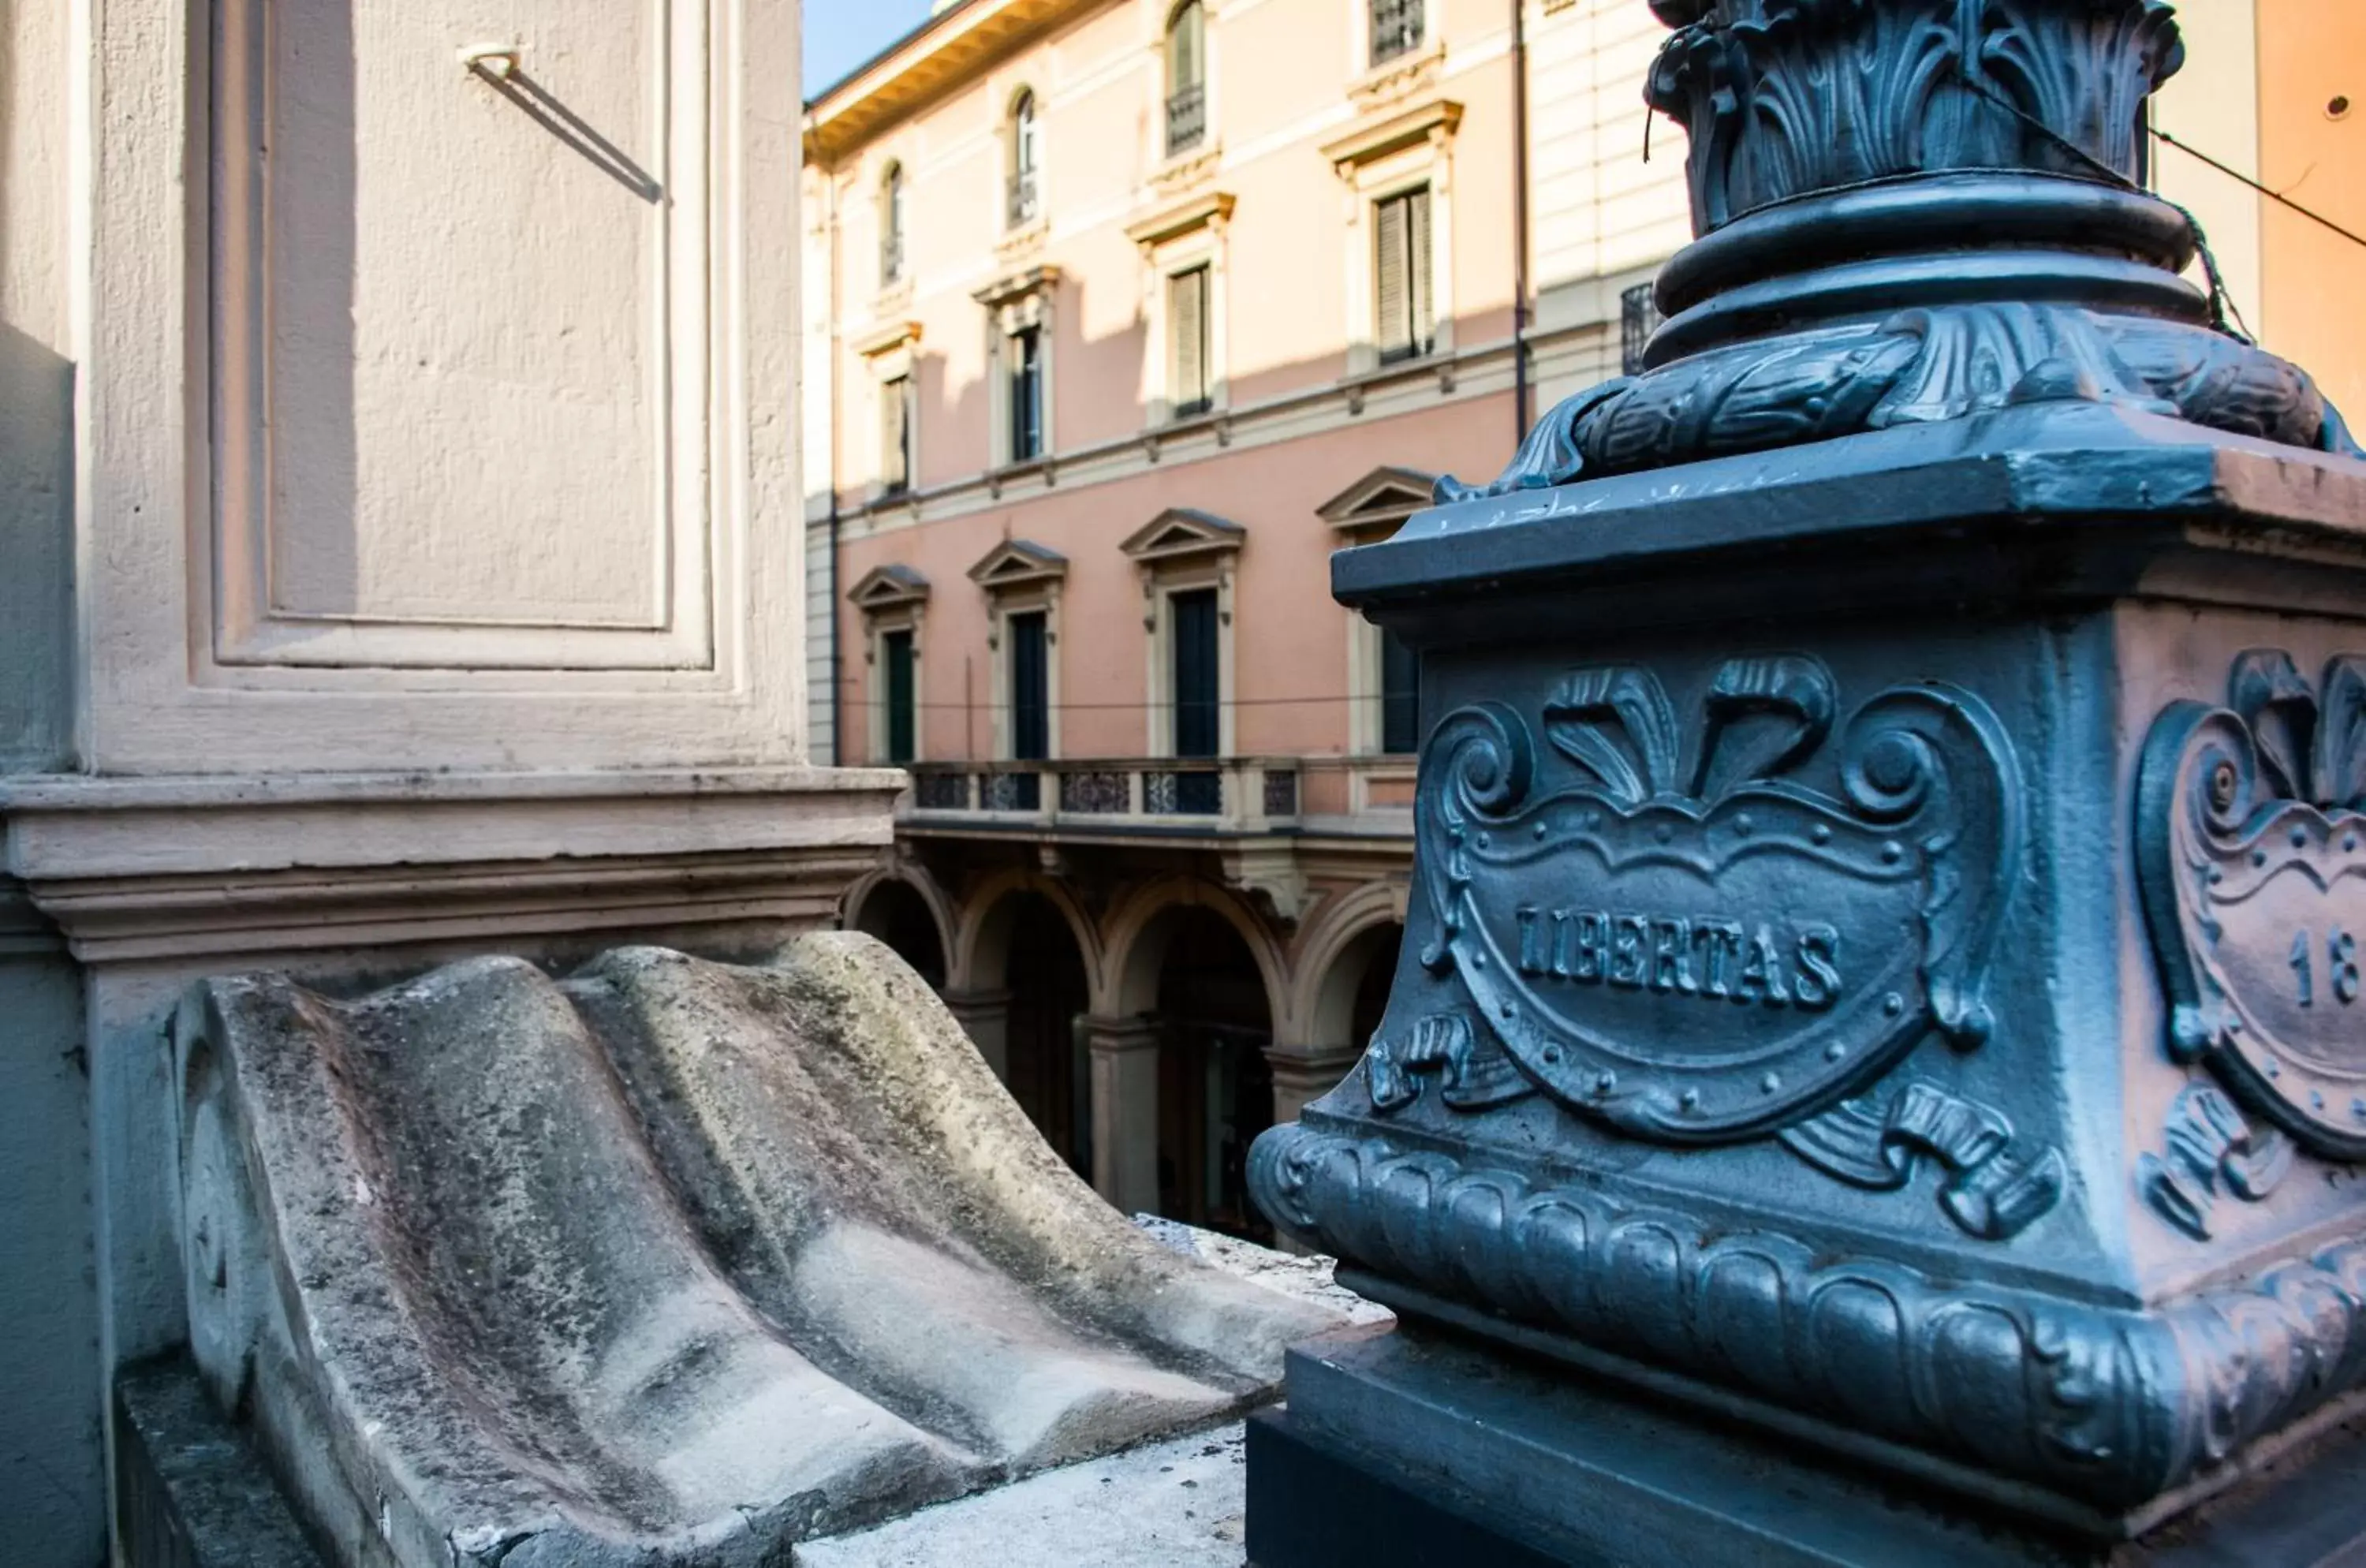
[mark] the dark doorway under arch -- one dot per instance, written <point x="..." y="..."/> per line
<point x="1215" y="1088"/>
<point x="896" y="914"/>
<point x="1045" y="1054"/>
<point x="1377" y="950"/>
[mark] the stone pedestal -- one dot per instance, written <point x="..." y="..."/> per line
<point x="1124" y="1060"/>
<point x="1891" y="843"/>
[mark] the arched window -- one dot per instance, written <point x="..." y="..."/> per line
<point x="891" y="225"/>
<point x="1026" y="158"/>
<point x="1396" y="29"/>
<point x="1186" y="77"/>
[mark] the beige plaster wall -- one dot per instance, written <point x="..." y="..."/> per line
<point x="2312" y="53"/>
<point x="1289" y="642"/>
<point x="1298" y="421"/>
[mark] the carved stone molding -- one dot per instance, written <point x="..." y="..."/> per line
<point x="137" y="870"/>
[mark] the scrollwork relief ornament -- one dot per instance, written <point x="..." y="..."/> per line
<point x="1685" y="942"/>
<point x="1990" y="1191"/>
<point x="2209" y="1148"/>
<point x="2251" y="844"/>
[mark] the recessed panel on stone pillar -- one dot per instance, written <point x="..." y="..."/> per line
<point x="462" y="333"/>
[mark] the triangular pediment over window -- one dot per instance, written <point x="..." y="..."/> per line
<point x="891" y="587"/>
<point x="1381" y="498"/>
<point x="1181" y="533"/>
<point x="1015" y="563"/>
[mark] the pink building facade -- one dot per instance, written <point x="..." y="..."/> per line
<point x="1122" y="317"/>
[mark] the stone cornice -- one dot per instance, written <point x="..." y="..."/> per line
<point x="188" y="867"/>
<point x="885" y="337"/>
<point x="1177" y="218"/>
<point x="1383" y="134"/>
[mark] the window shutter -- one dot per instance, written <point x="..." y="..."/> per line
<point x="901" y="699"/>
<point x="1183" y="37"/>
<point x="894" y="434"/>
<point x="1187" y="321"/>
<point x="1417" y="305"/>
<point x="1390" y="282"/>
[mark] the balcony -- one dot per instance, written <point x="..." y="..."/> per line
<point x="1278" y="826"/>
<point x="1159" y="796"/>
<point x="1164" y="796"/>
<point x="1187" y="118"/>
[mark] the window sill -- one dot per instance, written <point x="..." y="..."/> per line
<point x="1025" y="237"/>
<point x="1398" y="74"/>
<point x="1005" y="475"/>
<point x="1183" y="165"/>
<point x="1438" y="360"/>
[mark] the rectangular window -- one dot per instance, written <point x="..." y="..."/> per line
<point x="898" y="692"/>
<point x="895" y="434"/>
<point x="1193" y="661"/>
<point x="1026" y="351"/>
<point x="1400" y="696"/>
<point x="1031" y="687"/>
<point x="1401" y="313"/>
<point x="1186" y="328"/>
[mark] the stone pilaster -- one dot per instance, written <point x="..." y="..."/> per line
<point x="1125" y="1061"/>
<point x="985" y="1017"/>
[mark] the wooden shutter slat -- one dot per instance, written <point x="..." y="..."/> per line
<point x="1188" y="321"/>
<point x="894" y="451"/>
<point x="1390" y="327"/>
<point x="1418" y="305"/>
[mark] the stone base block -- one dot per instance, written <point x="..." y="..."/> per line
<point x="189" y="1493"/>
<point x="1403" y="1448"/>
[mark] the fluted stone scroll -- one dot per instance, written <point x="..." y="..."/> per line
<point x="666" y="1261"/>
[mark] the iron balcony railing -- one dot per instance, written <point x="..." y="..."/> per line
<point x="1187" y="118"/>
<point x="1230" y="794"/>
<point x="1022" y="210"/>
<point x="1396" y="29"/>
<point x="1638" y="318"/>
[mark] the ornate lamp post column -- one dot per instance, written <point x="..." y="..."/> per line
<point x="1878" y="1071"/>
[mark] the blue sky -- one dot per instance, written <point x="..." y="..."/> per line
<point x="842" y="34"/>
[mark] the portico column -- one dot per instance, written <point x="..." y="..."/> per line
<point x="984" y="1016"/>
<point x="1124" y="1054"/>
<point x="1301" y="1073"/>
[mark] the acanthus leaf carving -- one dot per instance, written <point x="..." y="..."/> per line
<point x="1915" y="367"/>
